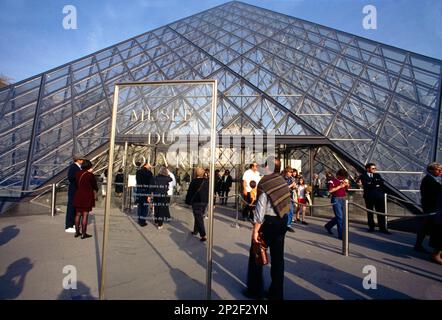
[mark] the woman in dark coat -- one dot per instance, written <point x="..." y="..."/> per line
<point x="160" y="198"/>
<point x="198" y="197"/>
<point x="84" y="199"/>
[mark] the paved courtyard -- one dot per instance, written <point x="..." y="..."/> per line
<point x="146" y="263"/>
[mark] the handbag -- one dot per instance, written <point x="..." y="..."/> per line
<point x="259" y="250"/>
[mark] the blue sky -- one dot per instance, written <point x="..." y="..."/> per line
<point x="33" y="40"/>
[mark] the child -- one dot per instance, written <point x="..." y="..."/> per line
<point x="302" y="200"/>
<point x="253" y="194"/>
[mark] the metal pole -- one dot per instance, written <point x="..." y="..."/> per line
<point x="53" y="199"/>
<point x="385" y="210"/>
<point x="211" y="191"/>
<point x="125" y="189"/>
<point x="345" y="231"/>
<point x="312" y="196"/>
<point x="109" y="188"/>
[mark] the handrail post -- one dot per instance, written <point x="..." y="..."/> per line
<point x="345" y="230"/>
<point x="236" y="224"/>
<point x="53" y="199"/>
<point x="386" y="210"/>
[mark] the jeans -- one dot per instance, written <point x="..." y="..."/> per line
<point x="142" y="210"/>
<point x="338" y="209"/>
<point x="292" y="211"/>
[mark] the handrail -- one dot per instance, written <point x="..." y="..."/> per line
<point x="29" y="191"/>
<point x="404" y="201"/>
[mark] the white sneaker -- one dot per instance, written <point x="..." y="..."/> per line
<point x="70" y="230"/>
<point x="160" y="227"/>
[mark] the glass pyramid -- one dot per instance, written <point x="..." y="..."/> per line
<point x="372" y="101"/>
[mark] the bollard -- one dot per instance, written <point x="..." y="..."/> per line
<point x="236" y="224"/>
<point x="345" y="230"/>
<point x="385" y="210"/>
<point x="53" y="200"/>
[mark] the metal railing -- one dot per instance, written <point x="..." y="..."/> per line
<point x="53" y="188"/>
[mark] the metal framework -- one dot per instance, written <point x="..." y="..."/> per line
<point x="373" y="102"/>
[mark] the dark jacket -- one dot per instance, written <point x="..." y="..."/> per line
<point x="431" y="195"/>
<point x="373" y="187"/>
<point x="145" y="181"/>
<point x="226" y="185"/>
<point x="86" y="184"/>
<point x="198" y="191"/>
<point x="73" y="169"/>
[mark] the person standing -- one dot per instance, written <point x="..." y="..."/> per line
<point x="161" y="199"/>
<point x="374" y="194"/>
<point x="291" y="183"/>
<point x="84" y="199"/>
<point x="270" y="220"/>
<point x="145" y="181"/>
<point x="431" y="197"/>
<point x="70" y="213"/>
<point x="172" y="183"/>
<point x="337" y="187"/>
<point x="251" y="174"/>
<point x="119" y="183"/>
<point x="302" y="200"/>
<point x="198" y="197"/>
<point x="103" y="178"/>
<point x="226" y="184"/>
<point x="316" y="185"/>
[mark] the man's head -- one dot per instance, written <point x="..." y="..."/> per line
<point x="272" y="165"/>
<point x="435" y="168"/>
<point x="226" y="173"/>
<point x="370" y="167"/>
<point x="78" y="158"/>
<point x="254" y="166"/>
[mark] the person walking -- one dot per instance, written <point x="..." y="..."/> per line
<point x="337" y="187"/>
<point x="374" y="194"/>
<point x="431" y="197"/>
<point x="198" y="197"/>
<point x="84" y="199"/>
<point x="270" y="220"/>
<point x="161" y="199"/>
<point x="145" y="181"/>
<point x="72" y="188"/>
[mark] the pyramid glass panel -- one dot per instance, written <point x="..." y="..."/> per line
<point x="370" y="101"/>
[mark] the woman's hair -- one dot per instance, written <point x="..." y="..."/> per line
<point x="86" y="165"/>
<point x="287" y="170"/>
<point x="342" y="173"/>
<point x="163" y="172"/>
<point x="301" y="179"/>
<point x="199" y="172"/>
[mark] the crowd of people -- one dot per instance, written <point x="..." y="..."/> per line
<point x="272" y="203"/>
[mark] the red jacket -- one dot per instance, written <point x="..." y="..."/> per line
<point x="86" y="184"/>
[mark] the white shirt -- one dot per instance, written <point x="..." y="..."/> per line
<point x="250" y="175"/>
<point x="172" y="184"/>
